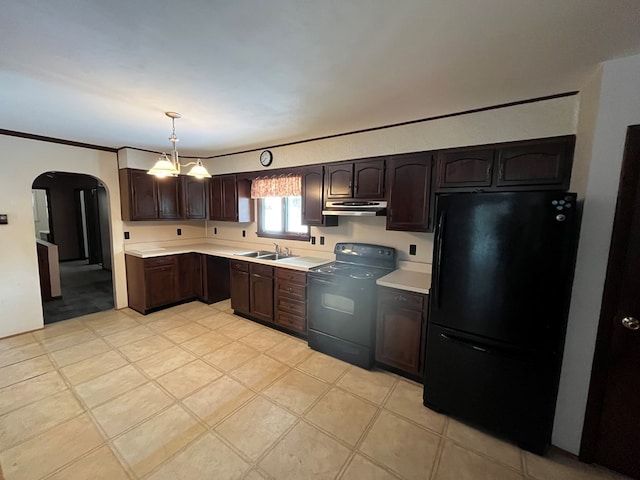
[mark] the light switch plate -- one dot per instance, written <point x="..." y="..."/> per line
<point x="3" y="219"/>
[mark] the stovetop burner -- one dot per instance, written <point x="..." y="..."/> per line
<point x="348" y="270"/>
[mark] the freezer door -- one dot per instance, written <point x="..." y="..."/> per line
<point x="502" y="389"/>
<point x="503" y="265"/>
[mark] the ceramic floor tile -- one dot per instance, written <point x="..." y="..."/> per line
<point x="124" y="337"/>
<point x="343" y="415"/>
<point x="218" y="399"/>
<point x="305" y="452"/>
<point x="457" y="463"/>
<point x="167" y="323"/>
<point x="53" y="449"/>
<point x="259" y="372"/>
<point x="107" y="326"/>
<point x="165" y="361"/>
<point x="93" y="367"/>
<point x="324" y="367"/>
<point x="79" y="352"/>
<point x="230" y="356"/>
<point x="185" y="332"/>
<point x="98" y="465"/>
<point x="401" y="446"/>
<point x="17" y="341"/>
<point x="223" y="305"/>
<point x="188" y="378"/>
<point x="151" y="443"/>
<point x="290" y="351"/>
<point x="263" y="339"/>
<point x="109" y="385"/>
<point x="254" y="475"/>
<point x="360" y="468"/>
<point x="256" y="426"/>
<point x="296" y="391"/>
<point x="558" y="466"/>
<point x="206" y="343"/>
<point x="35" y="418"/>
<point x="70" y="339"/>
<point x="59" y="328"/>
<point x="188" y="307"/>
<point x="406" y="400"/>
<point x="10" y="356"/>
<point x="373" y="385"/>
<point x="146" y="347"/>
<point x="474" y="439"/>
<point x="30" y="390"/>
<point x="207" y="457"/>
<point x="123" y="412"/>
<point x="216" y="319"/>
<point x="195" y="314"/>
<point x="24" y="370"/>
<point x="239" y="328"/>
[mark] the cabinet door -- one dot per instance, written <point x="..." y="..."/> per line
<point x="229" y="199"/>
<point x="368" y="179"/>
<point x="337" y="180"/>
<point x="239" y="279"/>
<point x="161" y="285"/>
<point x="409" y="187"/>
<point x="216" y="279"/>
<point x="189" y="276"/>
<point x="464" y="169"/>
<point x="261" y="292"/>
<point x="168" y="198"/>
<point x="312" y="201"/>
<point x="536" y="163"/>
<point x="194" y="198"/>
<point x="142" y="194"/>
<point x="215" y="198"/>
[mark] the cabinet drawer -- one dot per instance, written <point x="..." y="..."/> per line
<point x="159" y="261"/>
<point x="414" y="301"/>
<point x="262" y="270"/>
<point x="292" y="322"/>
<point x="291" y="275"/>
<point x="291" y="290"/>
<point x="291" y="306"/>
<point x="240" y="266"/>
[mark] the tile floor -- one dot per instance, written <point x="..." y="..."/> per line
<point x="194" y="392"/>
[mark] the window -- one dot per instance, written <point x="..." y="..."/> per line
<point x="281" y="217"/>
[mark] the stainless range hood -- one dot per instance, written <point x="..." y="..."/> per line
<point x="356" y="208"/>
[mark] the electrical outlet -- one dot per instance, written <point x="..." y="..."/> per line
<point x="179" y="231"/>
<point x="321" y="240"/>
<point x="244" y="233"/>
<point x="313" y="240"/>
<point x="4" y="220"/>
<point x="412" y="249"/>
<point x="215" y="230"/>
<point x="126" y="235"/>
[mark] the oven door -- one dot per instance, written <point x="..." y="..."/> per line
<point x="343" y="308"/>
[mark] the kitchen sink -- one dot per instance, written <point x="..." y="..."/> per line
<point x="264" y="255"/>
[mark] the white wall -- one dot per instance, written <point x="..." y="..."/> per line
<point x="619" y="107"/>
<point x="20" y="306"/>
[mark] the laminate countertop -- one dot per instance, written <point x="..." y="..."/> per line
<point x="409" y="280"/>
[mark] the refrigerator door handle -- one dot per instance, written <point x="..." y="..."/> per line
<point x="439" y="248"/>
<point x="484" y="349"/>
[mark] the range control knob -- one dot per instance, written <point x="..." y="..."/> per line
<point x="560" y="217"/>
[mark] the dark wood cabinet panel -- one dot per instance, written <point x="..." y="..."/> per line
<point x="216" y="279"/>
<point x="138" y="195"/>
<point x="239" y="282"/>
<point x="290" y="300"/>
<point x="409" y="190"/>
<point x="312" y="198"/>
<point x="401" y="330"/>
<point x="338" y="181"/>
<point x="189" y="276"/>
<point x="194" y="198"/>
<point x="230" y="199"/>
<point x="169" y="203"/>
<point x="468" y="168"/>
<point x="261" y="292"/>
<point x="368" y="179"/>
<point x="161" y="285"/>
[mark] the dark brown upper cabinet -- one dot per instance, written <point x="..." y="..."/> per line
<point x="360" y="179"/>
<point x="532" y="164"/>
<point x="194" y="191"/>
<point x="230" y="199"/>
<point x="312" y="198"/>
<point x="409" y="191"/>
<point x="145" y="197"/>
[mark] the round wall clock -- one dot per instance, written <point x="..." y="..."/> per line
<point x="266" y="157"/>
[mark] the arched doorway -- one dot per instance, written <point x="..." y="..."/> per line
<point x="71" y="219"/>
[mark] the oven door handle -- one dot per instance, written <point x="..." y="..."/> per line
<point x="322" y="280"/>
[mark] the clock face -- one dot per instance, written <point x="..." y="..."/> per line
<point x="266" y="158"/>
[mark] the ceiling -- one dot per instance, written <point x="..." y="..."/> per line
<point x="252" y="73"/>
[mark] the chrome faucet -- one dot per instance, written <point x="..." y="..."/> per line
<point x="277" y="248"/>
<point x="287" y="252"/>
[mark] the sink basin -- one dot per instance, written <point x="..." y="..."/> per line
<point x="259" y="253"/>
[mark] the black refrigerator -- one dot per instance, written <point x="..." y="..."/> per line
<point x="502" y="273"/>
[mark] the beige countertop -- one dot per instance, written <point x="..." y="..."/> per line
<point x="410" y="280"/>
<point x="302" y="263"/>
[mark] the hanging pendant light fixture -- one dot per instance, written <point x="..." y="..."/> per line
<point x="166" y="167"/>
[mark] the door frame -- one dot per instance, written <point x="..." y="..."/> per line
<point x="620" y="239"/>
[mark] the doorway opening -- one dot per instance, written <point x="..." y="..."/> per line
<point x="71" y="221"/>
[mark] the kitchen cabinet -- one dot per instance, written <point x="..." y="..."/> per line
<point x="312" y="198"/>
<point x="194" y="198"/>
<point x="230" y="199"/>
<point x="189" y="276"/>
<point x="138" y="195"/>
<point x="151" y="282"/>
<point x="401" y="331"/>
<point x="359" y="179"/>
<point x="290" y="300"/>
<point x="215" y="279"/>
<point x="239" y="284"/>
<point x="543" y="164"/>
<point x="261" y="292"/>
<point x="409" y="190"/>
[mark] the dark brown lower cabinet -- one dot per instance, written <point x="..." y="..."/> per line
<point x="261" y="292"/>
<point x="189" y="276"/>
<point x="215" y="279"/>
<point x="151" y="282"/>
<point x="239" y="279"/>
<point x="290" y="300"/>
<point x="401" y="331"/>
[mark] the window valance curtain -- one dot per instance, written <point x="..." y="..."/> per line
<point x="280" y="186"/>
